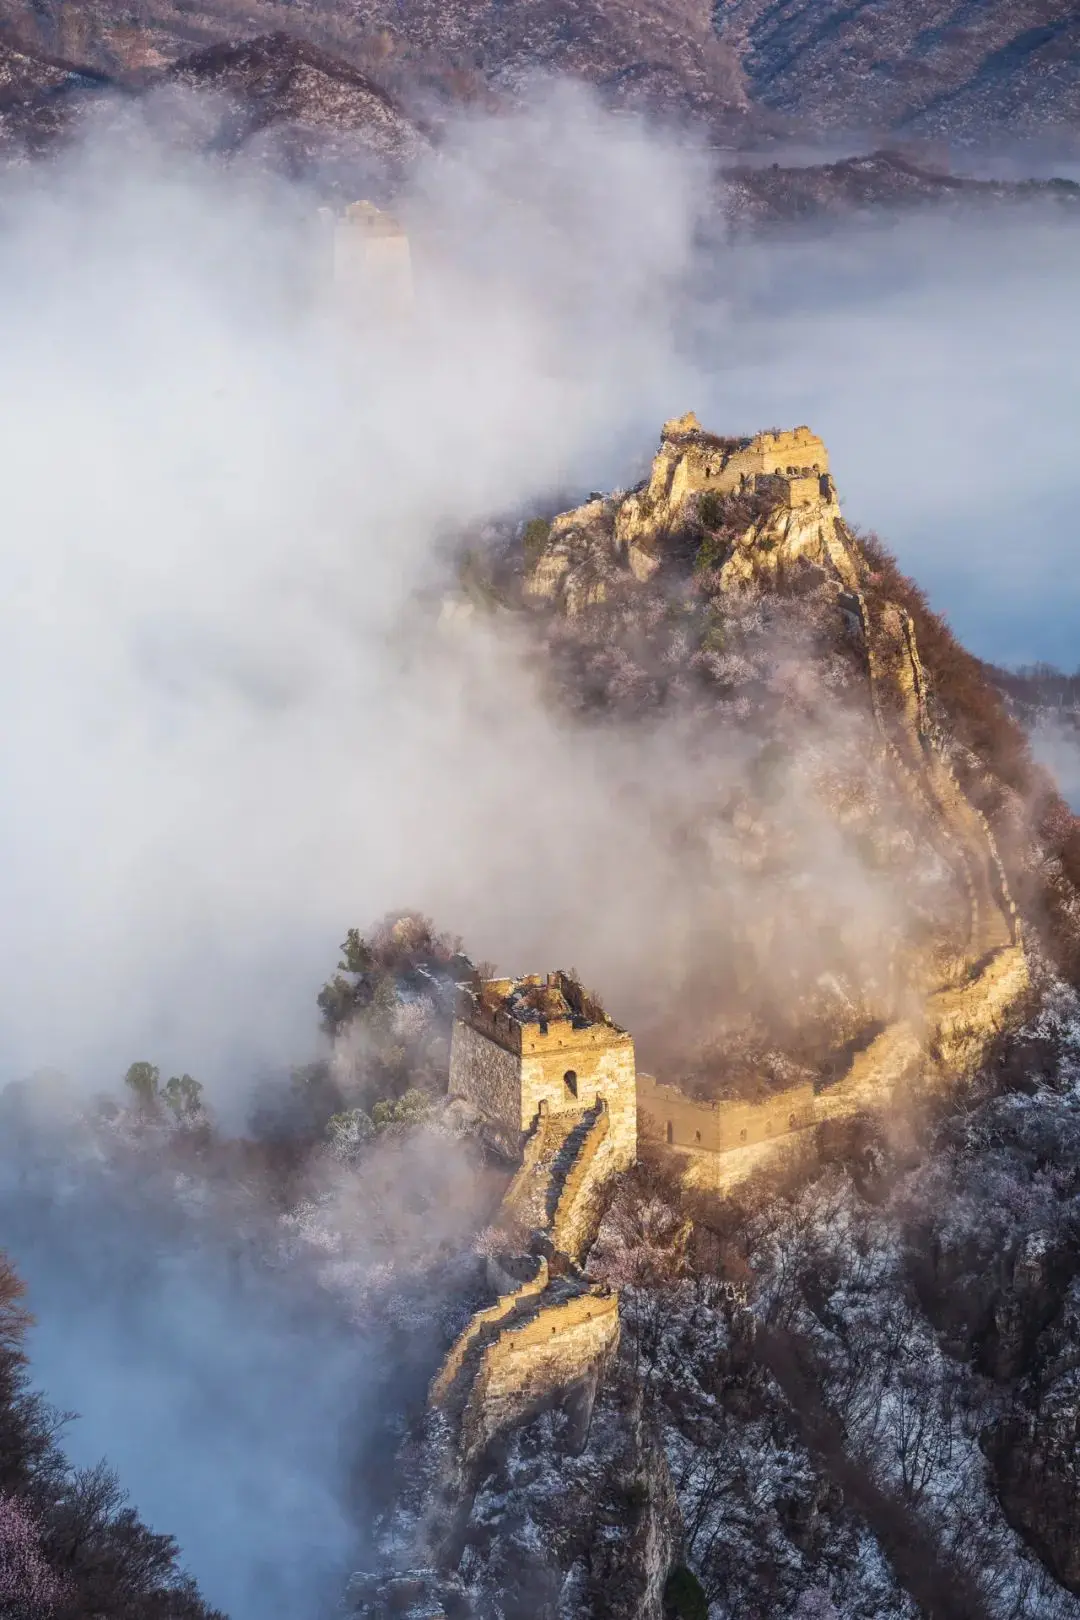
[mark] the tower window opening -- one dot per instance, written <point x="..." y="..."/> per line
<point x="570" y="1082"/>
<point x="670" y="1133"/>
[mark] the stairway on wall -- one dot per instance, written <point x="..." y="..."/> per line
<point x="554" y="1198"/>
<point x="555" y="1147"/>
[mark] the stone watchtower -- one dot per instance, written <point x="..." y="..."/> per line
<point x="370" y="261"/>
<point x="521" y="1047"/>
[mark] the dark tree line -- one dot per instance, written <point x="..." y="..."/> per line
<point x="71" y="1546"/>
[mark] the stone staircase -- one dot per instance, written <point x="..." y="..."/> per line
<point x="549" y="1333"/>
<point x="554" y="1153"/>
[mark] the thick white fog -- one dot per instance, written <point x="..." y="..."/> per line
<point x="217" y="501"/>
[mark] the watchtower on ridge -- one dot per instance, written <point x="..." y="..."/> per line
<point x="520" y="1046"/>
<point x="370" y="260"/>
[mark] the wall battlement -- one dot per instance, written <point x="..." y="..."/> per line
<point x="668" y="1117"/>
<point x="790" y="464"/>
<point x="452" y="1368"/>
<point x="525" y="1366"/>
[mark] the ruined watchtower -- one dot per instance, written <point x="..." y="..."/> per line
<point x="370" y="261"/>
<point x="521" y="1047"/>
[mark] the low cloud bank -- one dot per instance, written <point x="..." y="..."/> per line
<point x="218" y="501"/>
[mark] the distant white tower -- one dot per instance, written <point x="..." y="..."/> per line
<point x="370" y="262"/>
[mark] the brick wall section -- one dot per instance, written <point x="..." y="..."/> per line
<point x="719" y="1126"/>
<point x="689" y="463"/>
<point x="950" y="1042"/>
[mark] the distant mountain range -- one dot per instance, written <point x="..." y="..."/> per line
<point x="771" y="194"/>
<point x="937" y="68"/>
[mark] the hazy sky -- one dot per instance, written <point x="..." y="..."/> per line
<point x="938" y="360"/>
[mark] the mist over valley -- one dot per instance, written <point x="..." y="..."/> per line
<point x="541" y="931"/>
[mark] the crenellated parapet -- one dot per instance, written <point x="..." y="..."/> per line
<point x="786" y="469"/>
<point x="485" y="1322"/>
<point x="522" y="1044"/>
<point x="530" y="1363"/>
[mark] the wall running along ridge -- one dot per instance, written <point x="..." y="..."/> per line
<point x="722" y="1142"/>
<point x="560" y="1091"/>
<point x="554" y="1331"/>
<point x="529" y="1364"/>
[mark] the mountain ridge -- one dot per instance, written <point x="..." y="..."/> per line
<point x="931" y="69"/>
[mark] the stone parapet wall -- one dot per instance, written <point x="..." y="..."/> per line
<point x="456" y="1357"/>
<point x="526" y="1367"/>
<point x="909" y="1057"/>
<point x="560" y="1034"/>
<point x="802" y="489"/>
<point x="719" y="1126"/>
<point x="494" y="1023"/>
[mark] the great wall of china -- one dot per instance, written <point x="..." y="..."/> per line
<point x="724" y="1142"/>
<point x="541" y="1066"/>
<point x="552" y="1080"/>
